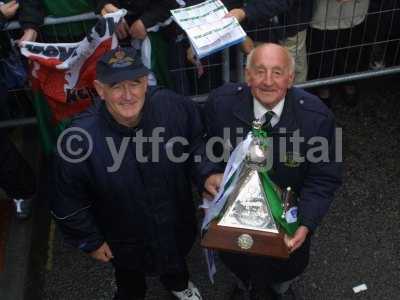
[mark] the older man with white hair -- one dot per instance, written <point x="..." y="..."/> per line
<point x="295" y="120"/>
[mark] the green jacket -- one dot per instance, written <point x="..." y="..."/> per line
<point x="65" y="8"/>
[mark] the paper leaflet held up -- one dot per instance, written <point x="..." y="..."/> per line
<point x="207" y="27"/>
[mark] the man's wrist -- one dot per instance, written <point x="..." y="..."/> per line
<point x="89" y="247"/>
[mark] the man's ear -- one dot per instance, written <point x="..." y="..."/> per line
<point x="99" y="88"/>
<point x="291" y="79"/>
<point x="246" y="75"/>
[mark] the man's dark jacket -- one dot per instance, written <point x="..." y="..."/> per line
<point x="230" y="107"/>
<point x="293" y="16"/>
<point x="143" y="210"/>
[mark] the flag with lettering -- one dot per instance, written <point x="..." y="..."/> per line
<point x="64" y="72"/>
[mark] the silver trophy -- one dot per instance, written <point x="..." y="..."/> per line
<point x="246" y="222"/>
<point x="247" y="206"/>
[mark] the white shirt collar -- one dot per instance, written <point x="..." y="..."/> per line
<point x="260" y="110"/>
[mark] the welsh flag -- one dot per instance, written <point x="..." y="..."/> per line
<point x="62" y="76"/>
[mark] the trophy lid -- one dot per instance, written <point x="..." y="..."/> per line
<point x="256" y="157"/>
<point x="257" y="124"/>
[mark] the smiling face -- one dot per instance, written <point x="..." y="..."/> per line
<point x="124" y="100"/>
<point x="269" y="74"/>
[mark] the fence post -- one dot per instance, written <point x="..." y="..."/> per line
<point x="226" y="70"/>
<point x="240" y="65"/>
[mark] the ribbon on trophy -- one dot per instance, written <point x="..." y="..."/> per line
<point x="247" y="155"/>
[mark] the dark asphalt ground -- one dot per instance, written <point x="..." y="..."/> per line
<point x="358" y="242"/>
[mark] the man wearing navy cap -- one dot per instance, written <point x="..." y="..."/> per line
<point x="122" y="191"/>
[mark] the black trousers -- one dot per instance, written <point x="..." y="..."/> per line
<point x="16" y="176"/>
<point x="336" y="52"/>
<point x="131" y="284"/>
<point x="262" y="271"/>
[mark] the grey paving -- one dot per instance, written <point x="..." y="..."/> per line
<point x="358" y="242"/>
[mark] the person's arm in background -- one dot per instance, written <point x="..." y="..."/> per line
<point x="31" y="16"/>
<point x="258" y="10"/>
<point x="7" y="11"/>
<point x="109" y="6"/>
<point x="157" y="13"/>
<point x="106" y="6"/>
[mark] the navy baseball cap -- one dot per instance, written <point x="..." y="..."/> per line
<point x="120" y="64"/>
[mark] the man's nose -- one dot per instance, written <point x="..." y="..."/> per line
<point x="127" y="93"/>
<point x="268" y="80"/>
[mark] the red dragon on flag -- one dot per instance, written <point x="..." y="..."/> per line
<point x="62" y="76"/>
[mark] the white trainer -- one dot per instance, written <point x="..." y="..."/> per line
<point x="23" y="208"/>
<point x="191" y="293"/>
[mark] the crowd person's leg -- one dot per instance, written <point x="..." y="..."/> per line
<point x="350" y="60"/>
<point x="377" y="32"/>
<point x="297" y="47"/>
<point x="177" y="67"/>
<point x="383" y="25"/>
<point x="168" y="62"/>
<point x="131" y="285"/>
<point x="321" y="56"/>
<point x="340" y="54"/>
<point x="16" y="177"/>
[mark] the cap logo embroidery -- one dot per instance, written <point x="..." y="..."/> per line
<point x="120" y="60"/>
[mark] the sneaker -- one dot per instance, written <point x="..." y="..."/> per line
<point x="377" y="65"/>
<point x="191" y="293"/>
<point x="23" y="208"/>
<point x="377" y="58"/>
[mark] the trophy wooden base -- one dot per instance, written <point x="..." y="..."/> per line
<point x="253" y="242"/>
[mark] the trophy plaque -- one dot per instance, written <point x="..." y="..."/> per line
<point x="246" y="224"/>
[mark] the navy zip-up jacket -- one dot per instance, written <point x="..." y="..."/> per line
<point x="230" y="107"/>
<point x="143" y="208"/>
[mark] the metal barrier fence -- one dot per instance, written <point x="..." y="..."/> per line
<point x="369" y="49"/>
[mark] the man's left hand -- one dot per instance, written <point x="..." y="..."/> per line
<point x="137" y="30"/>
<point x="30" y="35"/>
<point x="238" y="13"/>
<point x="294" y="242"/>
